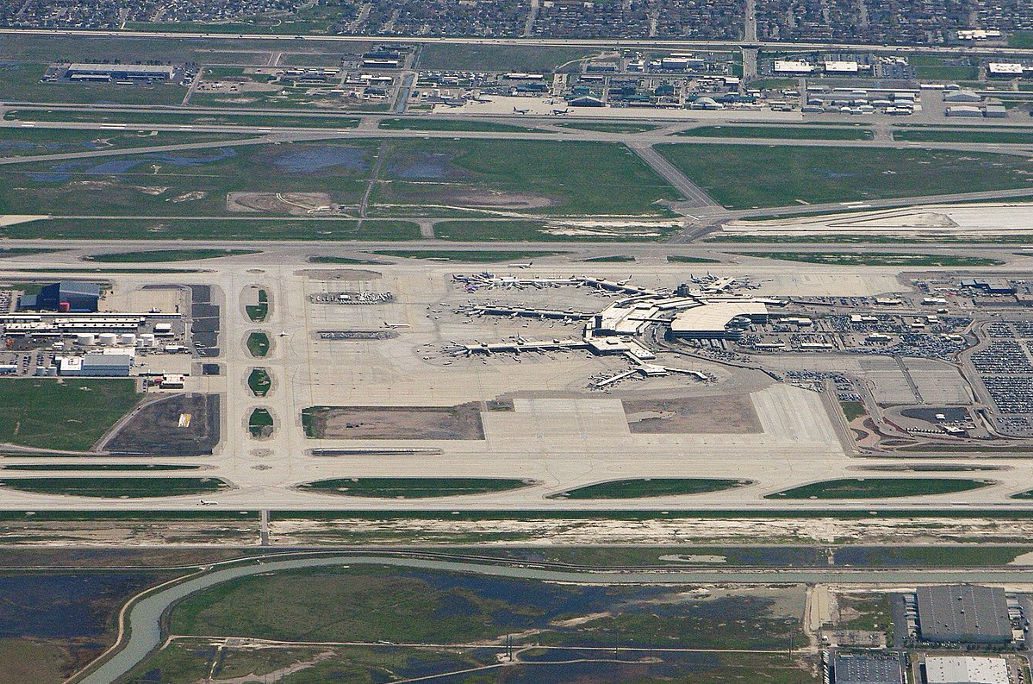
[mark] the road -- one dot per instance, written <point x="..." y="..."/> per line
<point x="540" y="42"/>
<point x="144" y="618"/>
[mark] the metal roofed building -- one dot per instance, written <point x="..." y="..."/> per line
<point x="963" y="614"/>
<point x="714" y="320"/>
<point x="96" y="365"/>
<point x="867" y="668"/>
<point x="144" y="72"/>
<point x="81" y="297"/>
<point x="966" y="670"/>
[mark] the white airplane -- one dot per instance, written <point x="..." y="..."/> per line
<point x="209" y="502"/>
<point x="560" y="112"/>
<point x="396" y="325"/>
<point x="525" y="265"/>
<point x="283" y="333"/>
<point x="520" y="111"/>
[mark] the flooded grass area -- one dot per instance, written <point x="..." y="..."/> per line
<point x="190" y="660"/>
<point x="402" y="605"/>
<point x="52" y="624"/>
<point x="330" y="179"/>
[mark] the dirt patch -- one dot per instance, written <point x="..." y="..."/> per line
<point x="353" y="274"/>
<point x="495" y="199"/>
<point x="691" y="415"/>
<point x="292" y="203"/>
<point x="163" y="428"/>
<point x="395" y="422"/>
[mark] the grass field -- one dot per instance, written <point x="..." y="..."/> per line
<point x="258" y="312"/>
<point x="532" y="176"/>
<point x="214" y="229"/>
<point x="184" y="118"/>
<point x="787" y="175"/>
<point x="944" y="68"/>
<point x="876" y="258"/>
<point x="258" y="381"/>
<point x="684" y="259"/>
<point x="612" y="259"/>
<point x="258" y="344"/>
<point x="165" y="255"/>
<point x="650" y="487"/>
<point x="540" y="231"/>
<point x="68" y="415"/>
<point x="20" y="142"/>
<point x="20" y="82"/>
<point x="417" y="177"/>
<point x="498" y="57"/>
<point x="116" y="487"/>
<point x="326" y="259"/>
<point x="438" y="124"/>
<point x="853" y="409"/>
<point x="126" y="467"/>
<point x="609" y="127"/>
<point x="1023" y="495"/>
<point x="260" y="423"/>
<point x="11" y="252"/>
<point x="413" y="487"/>
<point x="1001" y="136"/>
<point x="471" y="256"/>
<point x="1021" y="39"/>
<point x="880" y="487"/>
<point x="789" y="132"/>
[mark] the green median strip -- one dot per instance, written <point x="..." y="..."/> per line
<point x="880" y="488"/>
<point x="413" y="487"/>
<point x="650" y="487"/>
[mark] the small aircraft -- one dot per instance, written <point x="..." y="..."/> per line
<point x="283" y="333"/>
<point x="209" y="502"/>
<point x="524" y="265"/>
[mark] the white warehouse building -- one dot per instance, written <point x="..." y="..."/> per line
<point x="966" y="670"/>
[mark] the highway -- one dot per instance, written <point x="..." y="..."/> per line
<point x="606" y="43"/>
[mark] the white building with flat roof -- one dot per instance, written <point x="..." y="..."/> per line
<point x="966" y="670"/>
<point x="713" y="320"/>
<point x="792" y="66"/>
<point x="841" y="68"/>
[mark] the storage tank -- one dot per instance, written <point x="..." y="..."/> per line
<point x="107" y="339"/>
<point x="85" y="339"/>
<point x="127" y="339"/>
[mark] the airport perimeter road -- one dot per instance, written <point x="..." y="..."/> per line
<point x="535" y="42"/>
<point x="144" y="619"/>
